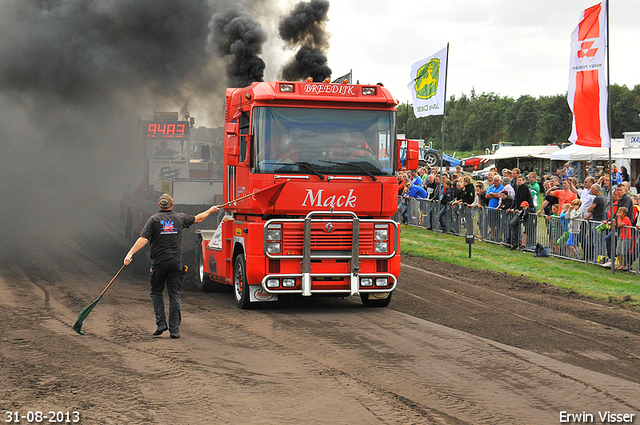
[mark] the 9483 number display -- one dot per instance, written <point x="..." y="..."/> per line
<point x="38" y="417"/>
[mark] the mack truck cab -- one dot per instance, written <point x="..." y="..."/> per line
<point x="315" y="167"/>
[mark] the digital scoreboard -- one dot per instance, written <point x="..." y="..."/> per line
<point x="165" y="129"/>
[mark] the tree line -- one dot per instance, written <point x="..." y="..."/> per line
<point x="477" y="121"/>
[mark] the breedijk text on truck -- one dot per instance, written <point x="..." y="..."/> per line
<point x="321" y="161"/>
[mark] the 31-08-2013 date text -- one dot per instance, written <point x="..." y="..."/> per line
<point x="38" y="417"/>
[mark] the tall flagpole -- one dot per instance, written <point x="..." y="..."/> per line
<point x="444" y="111"/>
<point x="614" y="239"/>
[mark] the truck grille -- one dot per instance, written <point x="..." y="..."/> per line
<point x="331" y="237"/>
<point x="339" y="239"/>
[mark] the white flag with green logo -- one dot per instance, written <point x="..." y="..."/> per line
<point x="427" y="85"/>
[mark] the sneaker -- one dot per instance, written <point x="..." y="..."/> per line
<point x="159" y="330"/>
<point x="522" y="248"/>
<point x="174" y="334"/>
<point x="607" y="264"/>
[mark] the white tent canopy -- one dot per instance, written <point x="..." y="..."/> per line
<point x="505" y="152"/>
<point x="586" y="153"/>
<point x="566" y="153"/>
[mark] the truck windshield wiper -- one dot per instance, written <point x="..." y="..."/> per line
<point x="299" y="164"/>
<point x="308" y="167"/>
<point x="367" y="172"/>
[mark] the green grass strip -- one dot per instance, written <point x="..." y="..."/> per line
<point x="589" y="280"/>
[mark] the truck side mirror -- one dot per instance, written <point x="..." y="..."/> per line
<point x="408" y="154"/>
<point x="413" y="154"/>
<point x="232" y="128"/>
<point x="233" y="151"/>
<point x="233" y="147"/>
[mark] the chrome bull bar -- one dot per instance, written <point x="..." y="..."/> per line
<point x="354" y="275"/>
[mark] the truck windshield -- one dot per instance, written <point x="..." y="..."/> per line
<point x="330" y="141"/>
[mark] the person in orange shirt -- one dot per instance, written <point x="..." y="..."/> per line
<point x="564" y="195"/>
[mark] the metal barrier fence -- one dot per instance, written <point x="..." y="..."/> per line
<point x="580" y="240"/>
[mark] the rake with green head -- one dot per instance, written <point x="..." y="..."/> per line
<point x="85" y="311"/>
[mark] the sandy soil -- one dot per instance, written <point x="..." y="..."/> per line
<point x="455" y="347"/>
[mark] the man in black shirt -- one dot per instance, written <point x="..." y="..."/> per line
<point x="433" y="196"/>
<point x="163" y="231"/>
<point x="448" y="194"/>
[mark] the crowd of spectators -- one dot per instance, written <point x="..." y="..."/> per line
<point x="509" y="206"/>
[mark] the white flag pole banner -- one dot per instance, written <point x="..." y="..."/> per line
<point x="427" y="85"/>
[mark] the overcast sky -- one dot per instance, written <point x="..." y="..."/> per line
<point x="507" y="47"/>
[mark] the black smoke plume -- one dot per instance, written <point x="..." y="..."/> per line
<point x="236" y="32"/>
<point x="88" y="53"/>
<point x="304" y="28"/>
<point x="74" y="78"/>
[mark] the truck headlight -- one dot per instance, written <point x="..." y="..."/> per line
<point x="382" y="234"/>
<point x="381" y="247"/>
<point x="273" y="247"/>
<point x="273" y="283"/>
<point x="382" y="281"/>
<point x="274" y="234"/>
<point x="288" y="282"/>
<point x="366" y="281"/>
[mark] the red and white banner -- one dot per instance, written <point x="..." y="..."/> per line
<point x="588" y="80"/>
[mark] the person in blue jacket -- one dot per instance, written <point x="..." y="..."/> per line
<point x="415" y="192"/>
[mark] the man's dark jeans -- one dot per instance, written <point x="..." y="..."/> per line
<point x="173" y="275"/>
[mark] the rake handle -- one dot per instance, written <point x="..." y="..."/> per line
<point x="112" y="280"/>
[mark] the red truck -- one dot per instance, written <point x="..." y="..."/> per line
<point x="315" y="167"/>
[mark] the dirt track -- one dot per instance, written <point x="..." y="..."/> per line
<point x="455" y="347"/>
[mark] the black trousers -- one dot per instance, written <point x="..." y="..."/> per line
<point x="171" y="275"/>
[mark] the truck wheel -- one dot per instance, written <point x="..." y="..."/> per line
<point x="240" y="285"/>
<point x="376" y="302"/>
<point x="431" y="158"/>
<point x="203" y="283"/>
